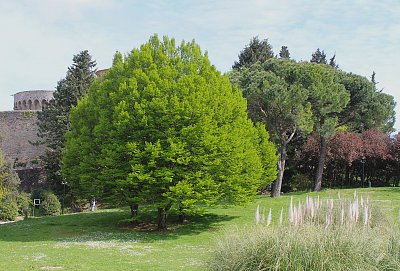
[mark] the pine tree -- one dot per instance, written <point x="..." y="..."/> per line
<point x="53" y="120"/>
<point x="319" y="57"/>
<point x="277" y="98"/>
<point x="332" y="62"/>
<point x="284" y="52"/>
<point x="255" y="51"/>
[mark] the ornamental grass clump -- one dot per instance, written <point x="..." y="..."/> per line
<point x="309" y="247"/>
<point x="318" y="234"/>
<point x="329" y="212"/>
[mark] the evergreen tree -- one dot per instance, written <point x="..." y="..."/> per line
<point x="373" y="80"/>
<point x="255" y="51"/>
<point x="328" y="98"/>
<point x="319" y="57"/>
<point x="366" y="109"/>
<point x="332" y="62"/>
<point x="53" y="120"/>
<point x="277" y="98"/>
<point x="284" y="52"/>
<point x="165" y="127"/>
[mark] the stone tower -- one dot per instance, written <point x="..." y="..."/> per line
<point x="32" y="99"/>
<point x="18" y="130"/>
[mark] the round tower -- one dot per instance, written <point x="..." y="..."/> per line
<point x="32" y="99"/>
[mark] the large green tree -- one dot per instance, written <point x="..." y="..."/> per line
<point x="358" y="106"/>
<point x="328" y="98"/>
<point x="53" y="120"/>
<point x="165" y="127"/>
<point x="278" y="98"/>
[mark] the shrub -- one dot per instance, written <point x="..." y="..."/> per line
<point x="301" y="182"/>
<point x="50" y="205"/>
<point x="8" y="209"/>
<point x="24" y="204"/>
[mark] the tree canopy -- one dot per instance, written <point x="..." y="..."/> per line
<point x="165" y="127"/>
<point x="277" y="97"/>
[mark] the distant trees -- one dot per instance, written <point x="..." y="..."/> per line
<point x="337" y="101"/>
<point x="255" y="51"/>
<point x="319" y="57"/>
<point x="54" y="119"/>
<point x="365" y="108"/>
<point x="284" y="52"/>
<point x="165" y="127"/>
<point x="346" y="154"/>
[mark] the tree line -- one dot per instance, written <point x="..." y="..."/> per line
<point x="164" y="127"/>
<point x="295" y="99"/>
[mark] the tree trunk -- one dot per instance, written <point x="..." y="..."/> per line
<point x="134" y="209"/>
<point x="182" y="216"/>
<point x="162" y="219"/>
<point x="321" y="164"/>
<point x="348" y="174"/>
<point x="277" y="185"/>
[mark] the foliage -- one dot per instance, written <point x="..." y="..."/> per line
<point x="255" y="51"/>
<point x="24" y="204"/>
<point x="367" y="108"/>
<point x="9" y="180"/>
<point x="284" y="52"/>
<point x="364" y="108"/>
<point x="332" y="62"/>
<point x="54" y="119"/>
<point x="277" y="97"/>
<point x="50" y="205"/>
<point x="328" y="98"/>
<point x="164" y="127"/>
<point x="8" y="209"/>
<point x="346" y="152"/>
<point x="319" y="57"/>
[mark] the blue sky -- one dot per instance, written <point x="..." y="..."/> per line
<point x="39" y="37"/>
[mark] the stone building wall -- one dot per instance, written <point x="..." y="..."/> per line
<point x="18" y="130"/>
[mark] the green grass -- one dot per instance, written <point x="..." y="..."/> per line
<point x="99" y="241"/>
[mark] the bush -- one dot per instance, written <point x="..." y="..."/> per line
<point x="8" y="209"/>
<point x="24" y="204"/>
<point x="50" y="205"/>
<point x="301" y="182"/>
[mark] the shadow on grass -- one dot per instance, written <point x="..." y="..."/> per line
<point x="103" y="226"/>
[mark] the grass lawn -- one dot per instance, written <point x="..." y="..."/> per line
<point x="100" y="241"/>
